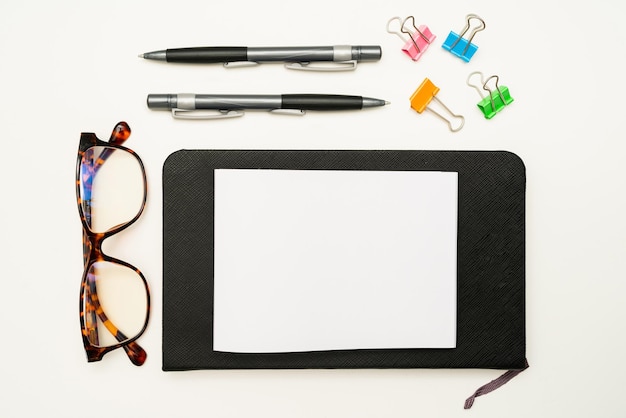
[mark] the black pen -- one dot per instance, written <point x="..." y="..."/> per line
<point x="342" y="56"/>
<point x="195" y="106"/>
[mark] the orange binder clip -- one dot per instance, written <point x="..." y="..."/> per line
<point x="422" y="98"/>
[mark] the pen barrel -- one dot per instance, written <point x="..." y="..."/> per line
<point x="315" y="53"/>
<point x="291" y="54"/>
<point x="237" y="101"/>
<point x="321" y="102"/>
<point x="189" y="101"/>
<point x="207" y="55"/>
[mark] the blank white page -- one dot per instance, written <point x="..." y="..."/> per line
<point x="309" y="260"/>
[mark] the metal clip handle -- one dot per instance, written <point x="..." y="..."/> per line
<point x="478" y="87"/>
<point x="290" y="112"/>
<point x="323" y="66"/>
<point x="412" y="35"/>
<point x="205" y="114"/>
<point x="452" y="114"/>
<point x="240" y="64"/>
<point x="399" y="31"/>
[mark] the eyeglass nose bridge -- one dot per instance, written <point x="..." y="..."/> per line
<point x="93" y="246"/>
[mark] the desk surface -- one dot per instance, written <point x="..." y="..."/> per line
<point x="71" y="66"/>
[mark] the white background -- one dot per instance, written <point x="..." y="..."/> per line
<point x="71" y="66"/>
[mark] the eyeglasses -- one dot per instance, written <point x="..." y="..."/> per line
<point x="114" y="297"/>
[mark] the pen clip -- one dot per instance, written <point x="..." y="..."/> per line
<point x="291" y="112"/>
<point x="326" y="66"/>
<point x="240" y="64"/>
<point x="205" y="114"/>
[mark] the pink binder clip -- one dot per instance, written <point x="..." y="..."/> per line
<point x="417" y="41"/>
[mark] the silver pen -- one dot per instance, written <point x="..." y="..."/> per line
<point x="343" y="57"/>
<point x="213" y="106"/>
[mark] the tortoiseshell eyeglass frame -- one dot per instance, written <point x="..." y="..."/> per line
<point x="90" y="308"/>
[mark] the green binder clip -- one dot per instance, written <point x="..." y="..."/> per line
<point x="497" y="99"/>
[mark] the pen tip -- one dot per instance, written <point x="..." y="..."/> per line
<point x="387" y="102"/>
<point x="140" y="55"/>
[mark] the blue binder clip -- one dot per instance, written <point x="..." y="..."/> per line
<point x="461" y="47"/>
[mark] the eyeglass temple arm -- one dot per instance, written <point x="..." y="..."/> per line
<point x="88" y="173"/>
<point x="91" y="320"/>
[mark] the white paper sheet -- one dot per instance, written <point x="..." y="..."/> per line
<point x="309" y="260"/>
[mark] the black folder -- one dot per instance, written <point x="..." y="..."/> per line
<point x="490" y="259"/>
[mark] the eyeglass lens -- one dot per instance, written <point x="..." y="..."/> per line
<point x="111" y="187"/>
<point x="116" y="301"/>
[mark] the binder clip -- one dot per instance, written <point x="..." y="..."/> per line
<point x="424" y="95"/>
<point x="416" y="42"/>
<point x="496" y="101"/>
<point x="461" y="47"/>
